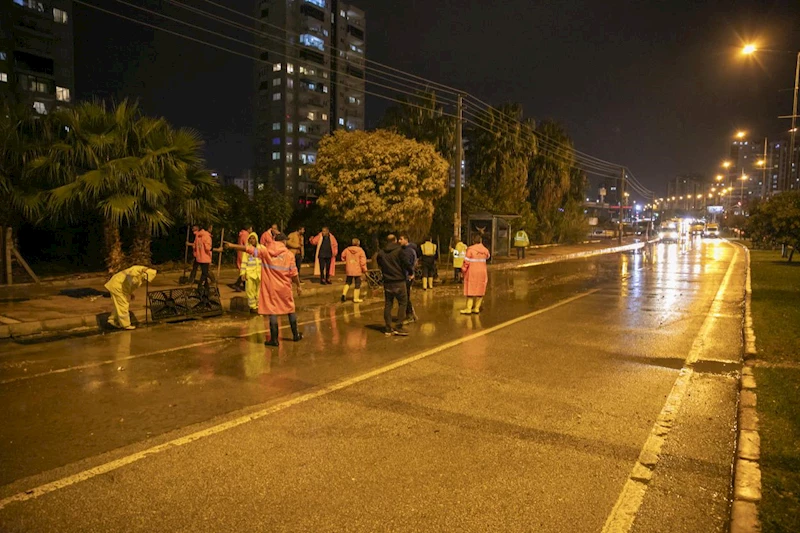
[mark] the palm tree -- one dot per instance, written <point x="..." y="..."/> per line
<point x="128" y="167"/>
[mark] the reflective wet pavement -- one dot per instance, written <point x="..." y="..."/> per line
<point x="535" y="425"/>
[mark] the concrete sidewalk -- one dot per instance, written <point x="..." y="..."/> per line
<point x="48" y="307"/>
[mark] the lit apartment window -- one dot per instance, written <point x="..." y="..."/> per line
<point x="3" y="77"/>
<point x="312" y="41"/>
<point x="341" y="122"/>
<point x="302" y="128"/>
<point x="3" y="56"/>
<point x="342" y="13"/>
<point x="59" y="15"/>
<point x="319" y="3"/>
<point x="276" y="126"/>
<point x="311" y="115"/>
<point x="277" y="67"/>
<point x="324" y="116"/>
<point x="289" y="83"/>
<point x="31" y="4"/>
<point x="289" y="127"/>
<point x="289" y="157"/>
<point x="325" y="89"/>
<point x="276" y="156"/>
<point x="40" y="108"/>
<point x="62" y="94"/>
<point x="289" y="68"/>
<point x="276" y="96"/>
<point x="276" y="141"/>
<point x="276" y="82"/>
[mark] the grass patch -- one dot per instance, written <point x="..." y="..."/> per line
<point x="776" y="321"/>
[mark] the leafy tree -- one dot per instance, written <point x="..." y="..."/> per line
<point x="556" y="187"/>
<point x="380" y="181"/>
<point x="270" y="207"/>
<point x="23" y="138"/>
<point x="777" y="220"/>
<point x="423" y="119"/>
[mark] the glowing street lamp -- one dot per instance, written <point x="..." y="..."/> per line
<point x="740" y="134"/>
<point x="726" y="164"/>
<point x="750" y="49"/>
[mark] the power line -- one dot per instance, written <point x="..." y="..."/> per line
<point x="387" y="76"/>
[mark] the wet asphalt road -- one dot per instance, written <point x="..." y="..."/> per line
<point x="484" y="425"/>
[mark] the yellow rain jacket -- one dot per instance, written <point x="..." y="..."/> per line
<point x="459" y="253"/>
<point x="121" y="286"/>
<point x="251" y="264"/>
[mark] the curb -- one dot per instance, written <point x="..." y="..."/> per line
<point x="747" y="469"/>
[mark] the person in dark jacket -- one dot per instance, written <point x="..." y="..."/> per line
<point x="396" y="269"/>
<point x="412" y="254"/>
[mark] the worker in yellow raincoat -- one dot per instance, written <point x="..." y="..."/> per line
<point x="122" y="285"/>
<point x="250" y="272"/>
<point x="459" y="253"/>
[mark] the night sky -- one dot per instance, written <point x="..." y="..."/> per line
<point x="655" y="85"/>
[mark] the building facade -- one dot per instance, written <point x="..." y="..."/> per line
<point x="36" y="53"/>
<point x="309" y="82"/>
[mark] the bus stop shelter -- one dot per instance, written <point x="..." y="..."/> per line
<point x="495" y="231"/>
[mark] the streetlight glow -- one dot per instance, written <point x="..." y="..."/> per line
<point x="740" y="134"/>
<point x="726" y="164"/>
<point x="719" y="177"/>
<point x="749" y="49"/>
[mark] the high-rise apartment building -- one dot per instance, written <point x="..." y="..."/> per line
<point x="309" y="83"/>
<point x="36" y="52"/>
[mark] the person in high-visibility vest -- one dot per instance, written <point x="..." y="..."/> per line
<point x="430" y="254"/>
<point x="521" y="242"/>
<point x="250" y="271"/>
<point x="459" y="252"/>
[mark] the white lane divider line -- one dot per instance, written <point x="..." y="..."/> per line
<point x="166" y="350"/>
<point x="47" y="488"/>
<point x="630" y="499"/>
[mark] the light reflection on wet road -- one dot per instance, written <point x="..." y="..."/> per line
<point x="97" y="394"/>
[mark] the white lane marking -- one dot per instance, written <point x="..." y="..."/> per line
<point x="623" y="514"/>
<point x="167" y="350"/>
<point x="213" y="430"/>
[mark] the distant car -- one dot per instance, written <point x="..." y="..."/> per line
<point x="604" y="233"/>
<point x="697" y="228"/>
<point x="711" y="231"/>
<point x="668" y="234"/>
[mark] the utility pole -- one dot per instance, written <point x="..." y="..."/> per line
<point x="621" y="201"/>
<point x="459" y="157"/>
<point x="764" y="188"/>
<point x="793" y="131"/>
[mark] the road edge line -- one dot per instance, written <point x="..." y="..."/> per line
<point x="747" y="460"/>
<point x="110" y="466"/>
<point x="623" y="514"/>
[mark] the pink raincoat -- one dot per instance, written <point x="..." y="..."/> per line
<point x="277" y="270"/>
<point x="355" y="261"/>
<point x="475" y="274"/>
<point x="317" y="241"/>
<point x="202" y="246"/>
<point x="243" y="236"/>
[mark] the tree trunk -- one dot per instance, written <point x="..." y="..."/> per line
<point x="141" y="253"/>
<point x="113" y="243"/>
<point x="791" y="253"/>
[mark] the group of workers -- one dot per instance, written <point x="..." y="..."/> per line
<point x="269" y="269"/>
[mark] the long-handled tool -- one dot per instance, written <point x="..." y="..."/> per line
<point x="183" y="279"/>
<point x="219" y="258"/>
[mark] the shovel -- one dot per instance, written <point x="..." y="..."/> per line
<point x="183" y="280"/>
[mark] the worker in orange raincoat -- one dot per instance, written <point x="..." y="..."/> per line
<point x="355" y="264"/>
<point x="201" y="248"/>
<point x="327" y="250"/>
<point x="278" y="273"/>
<point x="475" y="275"/>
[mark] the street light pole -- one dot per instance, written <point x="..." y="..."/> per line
<point x="793" y="131"/>
<point x="621" y="202"/>
<point x="459" y="158"/>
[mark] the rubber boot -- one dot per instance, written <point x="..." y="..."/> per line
<point x="424" y="284"/>
<point x="273" y="334"/>
<point x="345" y="289"/>
<point x="430" y="283"/>
<point x="478" y="302"/>
<point x="357" y="296"/>
<point x="468" y="310"/>
<point x="296" y="335"/>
